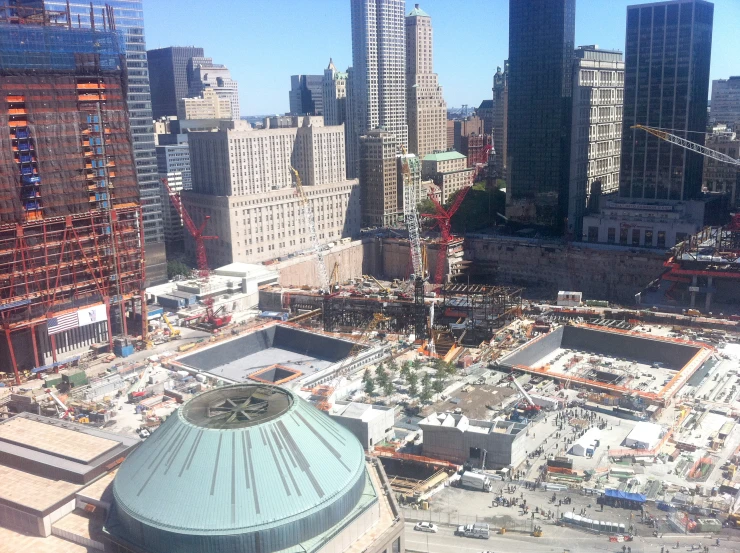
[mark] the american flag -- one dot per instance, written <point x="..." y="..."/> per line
<point x="62" y="323"/>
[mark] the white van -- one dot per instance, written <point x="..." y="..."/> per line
<point x="478" y="530"/>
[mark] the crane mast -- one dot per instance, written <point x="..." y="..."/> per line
<point x="410" y="193"/>
<point x="313" y="236"/>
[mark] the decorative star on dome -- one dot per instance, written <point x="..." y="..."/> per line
<point x="229" y="409"/>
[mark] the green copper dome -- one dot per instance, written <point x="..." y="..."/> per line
<point x="239" y="468"/>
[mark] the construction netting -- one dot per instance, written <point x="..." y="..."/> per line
<point x="45" y="48"/>
<point x="56" y="124"/>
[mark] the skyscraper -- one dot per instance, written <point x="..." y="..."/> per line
<point x="306" y="95"/>
<point x="501" y="119"/>
<point x="378" y="179"/>
<point x="598" y="90"/>
<point x="666" y="85"/>
<point x="427" y="110"/>
<point x="726" y="101"/>
<point x="377" y="95"/>
<point x="334" y="89"/>
<point x="129" y="20"/>
<point x="541" y="44"/>
<point x="203" y="74"/>
<point x="168" y="77"/>
<point x="68" y="186"/>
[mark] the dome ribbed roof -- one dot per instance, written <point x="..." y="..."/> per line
<point x="250" y="467"/>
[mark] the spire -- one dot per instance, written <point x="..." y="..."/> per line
<point x="331" y="65"/>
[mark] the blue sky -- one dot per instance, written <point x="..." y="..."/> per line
<point x="264" y="42"/>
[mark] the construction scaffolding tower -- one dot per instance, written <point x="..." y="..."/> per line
<point x="476" y="311"/>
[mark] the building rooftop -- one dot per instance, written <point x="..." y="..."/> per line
<point x="31" y="493"/>
<point x="59" y="449"/>
<point x="444" y="156"/>
<point x="417" y="12"/>
<point x="361" y="411"/>
<point x="240" y="467"/>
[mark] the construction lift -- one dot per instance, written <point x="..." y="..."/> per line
<point x="313" y="236"/>
<point x="200" y="255"/>
<point x="174" y="332"/>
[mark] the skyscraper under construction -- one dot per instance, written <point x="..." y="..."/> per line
<point x="71" y="234"/>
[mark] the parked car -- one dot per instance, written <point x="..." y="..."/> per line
<point x="426" y="527"/>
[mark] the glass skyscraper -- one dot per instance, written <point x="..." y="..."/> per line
<point x="541" y="50"/>
<point x="168" y="77"/>
<point x="129" y="19"/>
<point x="666" y="85"/>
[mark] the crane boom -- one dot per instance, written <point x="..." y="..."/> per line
<point x="687" y="144"/>
<point x="523" y="391"/>
<point x="410" y="216"/>
<point x="313" y="236"/>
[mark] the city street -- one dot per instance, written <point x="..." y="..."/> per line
<point x="555" y="539"/>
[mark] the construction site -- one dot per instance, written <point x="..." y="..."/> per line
<point x="71" y="231"/>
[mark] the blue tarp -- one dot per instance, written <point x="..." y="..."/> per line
<point x="640" y="498"/>
<point x="55" y="365"/>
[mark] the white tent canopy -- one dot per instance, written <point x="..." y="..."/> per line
<point x="645" y="435"/>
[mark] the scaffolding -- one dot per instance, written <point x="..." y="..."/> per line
<point x="477" y="311"/>
<point x="342" y="314"/>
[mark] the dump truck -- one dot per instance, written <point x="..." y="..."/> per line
<point x="475" y="481"/>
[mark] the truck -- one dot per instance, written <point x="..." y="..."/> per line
<point x="478" y="530"/>
<point x="475" y="481"/>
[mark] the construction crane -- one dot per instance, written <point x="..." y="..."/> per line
<point x="687" y="144"/>
<point x="174" y="332"/>
<point x="383" y="289"/>
<point x="200" y="255"/>
<point x="410" y="216"/>
<point x="531" y="406"/>
<point x="65" y="411"/>
<point x="334" y="280"/>
<point x="313" y="236"/>
<point x="699" y="149"/>
<point x="325" y="391"/>
<point x="442" y="217"/>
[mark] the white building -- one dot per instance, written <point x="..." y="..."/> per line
<point x="645" y="435"/>
<point x="427" y="109"/>
<point x="334" y="91"/>
<point x="268" y="225"/>
<point x="239" y="160"/>
<point x="208" y="105"/>
<point x="649" y="224"/>
<point x="596" y="134"/>
<point x="371" y="424"/>
<point x="376" y="93"/>
<point x="204" y="74"/>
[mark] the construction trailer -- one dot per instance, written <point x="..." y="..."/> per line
<point x="71" y="228"/>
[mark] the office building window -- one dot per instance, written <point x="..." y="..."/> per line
<point x="649" y="238"/>
<point x="623" y="236"/>
<point x="635" y="237"/>
<point x="661" y="239"/>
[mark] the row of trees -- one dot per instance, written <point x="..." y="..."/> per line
<point x="409" y="371"/>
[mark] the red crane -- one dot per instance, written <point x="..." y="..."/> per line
<point x="200" y="255"/>
<point x="443" y="217"/>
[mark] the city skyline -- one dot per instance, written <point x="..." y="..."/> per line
<point x="266" y="75"/>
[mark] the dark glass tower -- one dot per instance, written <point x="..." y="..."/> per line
<point x="168" y="77"/>
<point x="666" y="85"/>
<point x="541" y="46"/>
